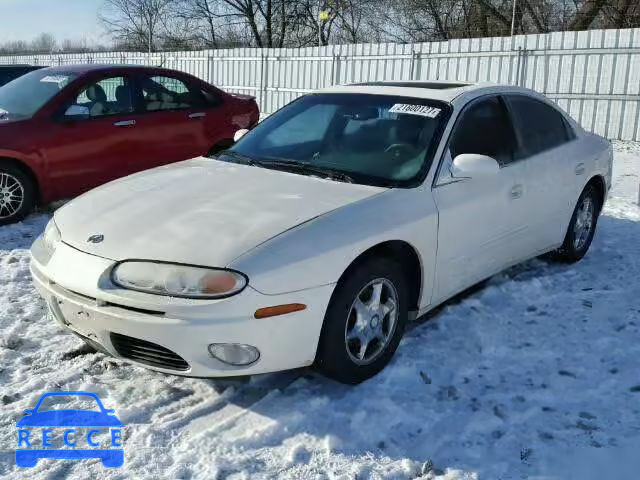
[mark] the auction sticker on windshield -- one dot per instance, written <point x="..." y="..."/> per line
<point x="422" y="110"/>
<point x="59" y="79"/>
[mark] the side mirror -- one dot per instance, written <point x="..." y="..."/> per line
<point x="239" y="134"/>
<point x="77" y="112"/>
<point x="30" y="411"/>
<point x="473" y="165"/>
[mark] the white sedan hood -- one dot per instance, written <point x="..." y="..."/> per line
<point x="202" y="211"/>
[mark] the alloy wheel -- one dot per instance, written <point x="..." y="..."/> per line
<point x="372" y="321"/>
<point x="11" y="195"/>
<point x="584" y="223"/>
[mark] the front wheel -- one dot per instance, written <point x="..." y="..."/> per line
<point x="364" y="322"/>
<point x="581" y="228"/>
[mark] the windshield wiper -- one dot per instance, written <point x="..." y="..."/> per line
<point x="291" y="165"/>
<point x="230" y="153"/>
<point x="325" y="172"/>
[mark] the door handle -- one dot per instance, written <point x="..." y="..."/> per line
<point x="125" y="123"/>
<point x="579" y="169"/>
<point x="516" y="191"/>
<point x="197" y="115"/>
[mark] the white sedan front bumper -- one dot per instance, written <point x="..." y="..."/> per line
<point x="172" y="335"/>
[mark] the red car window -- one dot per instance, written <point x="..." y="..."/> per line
<point x="108" y="96"/>
<point x="168" y="93"/>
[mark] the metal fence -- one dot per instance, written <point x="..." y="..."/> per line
<point x="594" y="74"/>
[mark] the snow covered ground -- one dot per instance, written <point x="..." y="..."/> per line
<point x="536" y="375"/>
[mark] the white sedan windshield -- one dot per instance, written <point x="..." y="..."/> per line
<point x="373" y="139"/>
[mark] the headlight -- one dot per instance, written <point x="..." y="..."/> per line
<point x="51" y="237"/>
<point x="175" y="280"/>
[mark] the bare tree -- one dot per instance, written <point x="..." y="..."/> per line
<point x="205" y="13"/>
<point x="586" y="14"/>
<point x="135" y="23"/>
<point x="44" y="43"/>
<point x="215" y="24"/>
<point x="187" y="24"/>
<point x="74" y="46"/>
<point x="14" y="47"/>
<point x="621" y="14"/>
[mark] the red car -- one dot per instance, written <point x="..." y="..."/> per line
<point x="67" y="129"/>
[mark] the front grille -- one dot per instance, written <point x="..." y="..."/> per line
<point x="147" y="352"/>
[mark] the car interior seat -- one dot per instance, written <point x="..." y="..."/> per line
<point x="98" y="100"/>
<point x="123" y="99"/>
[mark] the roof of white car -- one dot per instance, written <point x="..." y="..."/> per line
<point x="438" y="90"/>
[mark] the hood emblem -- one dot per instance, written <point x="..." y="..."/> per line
<point x="95" y="238"/>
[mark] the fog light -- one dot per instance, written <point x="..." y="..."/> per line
<point x="235" y="354"/>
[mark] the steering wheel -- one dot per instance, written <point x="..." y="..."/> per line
<point x="399" y="148"/>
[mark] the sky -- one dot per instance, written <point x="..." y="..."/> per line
<point x="73" y="19"/>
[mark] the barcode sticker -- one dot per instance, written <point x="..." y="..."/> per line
<point x="422" y="110"/>
<point x="54" y="79"/>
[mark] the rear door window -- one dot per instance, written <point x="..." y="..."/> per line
<point x="540" y="126"/>
<point x="161" y="92"/>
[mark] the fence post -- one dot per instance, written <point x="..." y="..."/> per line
<point x="336" y="72"/>
<point x="415" y="65"/>
<point x="412" y="64"/>
<point x="518" y="56"/>
<point x="263" y="82"/>
<point x="333" y="68"/>
<point x="525" y="61"/>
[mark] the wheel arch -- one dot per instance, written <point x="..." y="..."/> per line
<point x="598" y="182"/>
<point x="407" y="256"/>
<point x="27" y="170"/>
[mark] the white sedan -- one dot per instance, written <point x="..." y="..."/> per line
<point x="323" y="231"/>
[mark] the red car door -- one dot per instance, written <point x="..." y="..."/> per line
<point x="176" y="119"/>
<point x="92" y="140"/>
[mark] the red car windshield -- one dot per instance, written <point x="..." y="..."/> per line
<point x="24" y="96"/>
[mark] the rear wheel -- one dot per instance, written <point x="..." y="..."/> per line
<point x="17" y="194"/>
<point x="364" y="322"/>
<point x="581" y="228"/>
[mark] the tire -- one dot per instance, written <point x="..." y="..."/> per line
<point x="17" y="194"/>
<point x="379" y="327"/>
<point x="577" y="241"/>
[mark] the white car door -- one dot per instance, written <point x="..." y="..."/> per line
<point x="554" y="169"/>
<point x="478" y="226"/>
